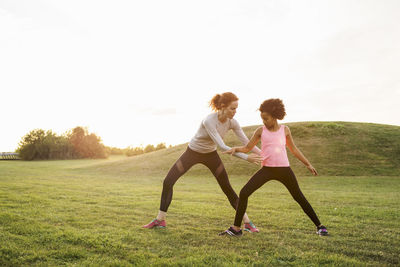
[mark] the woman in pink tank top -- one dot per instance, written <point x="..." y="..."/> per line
<point x="275" y="165"/>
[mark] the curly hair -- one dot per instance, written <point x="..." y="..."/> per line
<point x="217" y="102"/>
<point x="274" y="107"/>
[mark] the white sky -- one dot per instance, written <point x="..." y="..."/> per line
<point x="142" y="72"/>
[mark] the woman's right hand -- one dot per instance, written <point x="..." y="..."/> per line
<point x="254" y="158"/>
<point x="230" y="151"/>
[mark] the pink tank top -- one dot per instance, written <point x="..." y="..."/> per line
<point x="273" y="148"/>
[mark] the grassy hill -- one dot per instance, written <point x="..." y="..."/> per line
<point x="334" y="148"/>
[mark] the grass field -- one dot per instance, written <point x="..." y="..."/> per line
<point x="67" y="213"/>
<point x="90" y="212"/>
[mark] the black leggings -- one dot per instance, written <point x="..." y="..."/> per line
<point x="284" y="175"/>
<point x="184" y="163"/>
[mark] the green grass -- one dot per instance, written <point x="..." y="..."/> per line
<point x="90" y="212"/>
<point x="71" y="213"/>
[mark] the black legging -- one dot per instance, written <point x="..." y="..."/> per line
<point x="284" y="175"/>
<point x="184" y="163"/>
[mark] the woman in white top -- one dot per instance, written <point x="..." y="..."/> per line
<point x="203" y="149"/>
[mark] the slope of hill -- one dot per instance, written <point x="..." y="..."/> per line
<point x="334" y="148"/>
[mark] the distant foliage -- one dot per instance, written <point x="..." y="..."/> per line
<point x="161" y="146"/>
<point x="86" y="145"/>
<point x="38" y="144"/>
<point x="114" y="150"/>
<point x="78" y="143"/>
<point x="149" y="148"/>
<point x="134" y="151"/>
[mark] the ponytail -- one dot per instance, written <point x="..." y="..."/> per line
<point x="222" y="100"/>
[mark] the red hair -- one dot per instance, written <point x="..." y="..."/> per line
<point x="222" y="100"/>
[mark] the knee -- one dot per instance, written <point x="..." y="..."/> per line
<point x="244" y="194"/>
<point x="179" y="166"/>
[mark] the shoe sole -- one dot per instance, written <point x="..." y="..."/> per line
<point x="156" y="226"/>
<point x="248" y="230"/>
<point x="324" y="234"/>
<point x="229" y="234"/>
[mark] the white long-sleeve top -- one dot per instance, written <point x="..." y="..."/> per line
<point x="211" y="133"/>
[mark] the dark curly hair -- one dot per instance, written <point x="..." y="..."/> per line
<point x="274" y="107"/>
<point x="222" y="99"/>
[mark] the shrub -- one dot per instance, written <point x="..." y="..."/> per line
<point x="86" y="145"/>
<point x="38" y="144"/>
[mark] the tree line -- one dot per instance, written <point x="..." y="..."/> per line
<point x="134" y="151"/>
<point x="74" y="144"/>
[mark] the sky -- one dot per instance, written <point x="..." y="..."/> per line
<point x="143" y="72"/>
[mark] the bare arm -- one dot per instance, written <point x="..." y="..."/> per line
<point x="250" y="145"/>
<point x="296" y="152"/>
<point x="243" y="138"/>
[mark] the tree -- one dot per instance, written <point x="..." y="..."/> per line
<point x="38" y="144"/>
<point x="149" y="148"/>
<point x="28" y="146"/>
<point x="160" y="146"/>
<point x="86" y="145"/>
<point x="77" y="143"/>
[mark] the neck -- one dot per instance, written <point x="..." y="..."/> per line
<point x="222" y="117"/>
<point x="274" y="127"/>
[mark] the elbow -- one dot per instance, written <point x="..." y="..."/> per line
<point x="249" y="148"/>
<point x="294" y="152"/>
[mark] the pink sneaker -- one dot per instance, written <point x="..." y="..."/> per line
<point x="155" y="224"/>
<point x="250" y="227"/>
